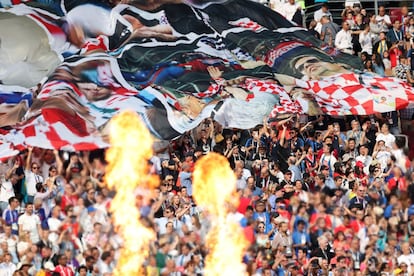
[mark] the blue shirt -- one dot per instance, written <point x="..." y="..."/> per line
<point x="185" y="179"/>
<point x="299" y="238"/>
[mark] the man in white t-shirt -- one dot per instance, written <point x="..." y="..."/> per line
<point x="29" y="222"/>
<point x="277" y="5"/>
<point x="7" y="191"/>
<point x="383" y="20"/>
<point x="289" y="9"/>
<point x="32" y="176"/>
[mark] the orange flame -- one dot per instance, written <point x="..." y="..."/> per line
<point x="127" y="171"/>
<point x="214" y="188"/>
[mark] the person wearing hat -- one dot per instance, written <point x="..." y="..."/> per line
<point x="89" y="220"/>
<point x="25" y="267"/>
<point x="261" y="215"/>
<point x="293" y="269"/>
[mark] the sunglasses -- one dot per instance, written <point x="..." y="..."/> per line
<point x="309" y="61"/>
<point x="35" y="168"/>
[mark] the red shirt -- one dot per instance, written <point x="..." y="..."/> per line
<point x="244" y="202"/>
<point x="68" y="200"/>
<point x="249" y="234"/>
<point x="402" y="185"/>
<point x="356" y="226"/>
<point x="64" y="270"/>
<point x="326" y="217"/>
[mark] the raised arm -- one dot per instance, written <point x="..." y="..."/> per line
<point x="283" y="136"/>
<point x="59" y="163"/>
<point x="29" y="158"/>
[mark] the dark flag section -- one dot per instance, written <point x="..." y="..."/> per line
<point x="173" y="62"/>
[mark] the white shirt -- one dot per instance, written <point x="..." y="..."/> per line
<point x="7" y="269"/>
<point x="31" y="180"/>
<point x="277" y="5"/>
<point x="54" y="225"/>
<point x="6" y="191"/>
<point x="408" y="260"/>
<point x="104" y="268"/>
<point x="365" y="39"/>
<point x="343" y="40"/>
<point x="241" y="184"/>
<point x="161" y="222"/>
<point x="382" y="157"/>
<point x="389" y="139"/>
<point x="11" y="242"/>
<point x="30" y="223"/>
<point x="383" y="22"/>
<point x="320" y="13"/>
<point x="288" y="10"/>
<point x="351" y="3"/>
<point x="181" y="260"/>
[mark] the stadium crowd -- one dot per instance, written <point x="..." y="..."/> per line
<point x="318" y="195"/>
<point x="333" y="195"/>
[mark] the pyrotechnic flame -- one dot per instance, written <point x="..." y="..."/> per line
<point x="127" y="171"/>
<point x="214" y="188"/>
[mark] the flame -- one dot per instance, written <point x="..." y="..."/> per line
<point x="214" y="189"/>
<point x="127" y="171"/>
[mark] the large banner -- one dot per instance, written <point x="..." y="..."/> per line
<point x="67" y="69"/>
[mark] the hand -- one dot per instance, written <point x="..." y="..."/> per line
<point x="285" y="79"/>
<point x="364" y="127"/>
<point x="214" y="72"/>
<point x="284" y="126"/>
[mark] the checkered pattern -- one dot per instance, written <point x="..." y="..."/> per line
<point x="359" y="94"/>
<point x="247" y="23"/>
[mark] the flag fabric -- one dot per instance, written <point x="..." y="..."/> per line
<point x="174" y="63"/>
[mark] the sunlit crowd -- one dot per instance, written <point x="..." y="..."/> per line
<point x="326" y="196"/>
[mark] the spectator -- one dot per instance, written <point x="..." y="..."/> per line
<point x="383" y="19"/>
<point x="365" y="39"/>
<point x="289" y="9"/>
<point x="387" y="64"/>
<point x="403" y="70"/>
<point x="30" y="223"/>
<point x="33" y="176"/>
<point x="396" y="34"/>
<point x="329" y="30"/>
<point x="62" y="267"/>
<point x="382" y="44"/>
<point x="374" y="27"/>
